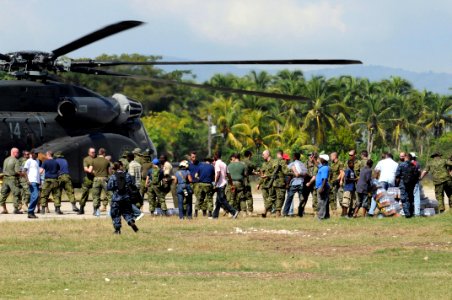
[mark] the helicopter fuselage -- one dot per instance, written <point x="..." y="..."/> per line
<point x="63" y="117"/>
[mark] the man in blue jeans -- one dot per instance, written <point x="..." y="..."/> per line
<point x="221" y="180"/>
<point x="31" y="168"/>
<point x="299" y="170"/>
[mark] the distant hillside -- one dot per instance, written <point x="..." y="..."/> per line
<point x="435" y="82"/>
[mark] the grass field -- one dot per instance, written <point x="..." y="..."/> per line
<point x="245" y="258"/>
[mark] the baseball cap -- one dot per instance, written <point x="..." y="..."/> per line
<point x="324" y="157"/>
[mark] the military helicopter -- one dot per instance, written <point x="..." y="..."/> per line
<point x="39" y="111"/>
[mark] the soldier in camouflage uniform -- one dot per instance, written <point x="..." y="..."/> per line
<point x="156" y="196"/>
<point x="279" y="183"/>
<point x="309" y="180"/>
<point x="101" y="171"/>
<point x="268" y="192"/>
<point x="206" y="176"/>
<point x="124" y="161"/>
<point x="88" y="180"/>
<point x="23" y="182"/>
<point x="50" y="169"/>
<point x="237" y="171"/>
<point x="358" y="165"/>
<point x="64" y="180"/>
<point x="145" y="167"/>
<point x="250" y="170"/>
<point x="335" y="180"/>
<point x="11" y="173"/>
<point x="106" y="200"/>
<point x="138" y="156"/>
<point x="442" y="180"/>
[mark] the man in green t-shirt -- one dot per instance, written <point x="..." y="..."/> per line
<point x="101" y="170"/>
<point x="88" y="180"/>
<point x="11" y="174"/>
<point x="250" y="170"/>
<point x="237" y="171"/>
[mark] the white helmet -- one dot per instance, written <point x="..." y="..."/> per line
<point x="183" y="164"/>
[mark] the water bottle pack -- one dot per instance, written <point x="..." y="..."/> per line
<point x="394" y="191"/>
<point x="428" y="212"/>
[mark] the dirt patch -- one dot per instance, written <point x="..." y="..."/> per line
<point x="257" y="275"/>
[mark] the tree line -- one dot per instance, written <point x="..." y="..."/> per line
<point x="342" y="113"/>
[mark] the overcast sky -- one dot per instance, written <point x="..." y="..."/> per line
<point x="410" y="34"/>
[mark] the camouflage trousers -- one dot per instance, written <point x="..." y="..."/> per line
<point x="10" y="185"/>
<point x="195" y="189"/>
<point x="336" y="194"/>
<point x="269" y="195"/>
<point x="204" y="199"/>
<point x="50" y="186"/>
<point x="248" y="199"/>
<point x="86" y="186"/>
<point x="440" y="189"/>
<point x="238" y="198"/>
<point x="65" y="184"/>
<point x="280" y="197"/>
<point x="143" y="188"/>
<point x="99" y="185"/>
<point x="24" y="190"/>
<point x="156" y="198"/>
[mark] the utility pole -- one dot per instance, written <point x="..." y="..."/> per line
<point x="209" y="136"/>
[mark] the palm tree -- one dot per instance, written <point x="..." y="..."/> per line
<point x="322" y="111"/>
<point x="225" y="114"/>
<point x="437" y="114"/>
<point x="374" y="115"/>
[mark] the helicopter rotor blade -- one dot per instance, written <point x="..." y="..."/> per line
<point x="95" y="36"/>
<point x="223" y="62"/>
<point x="221" y="89"/>
<point x="92" y="71"/>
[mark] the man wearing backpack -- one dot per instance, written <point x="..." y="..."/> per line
<point x="119" y="184"/>
<point x="407" y="175"/>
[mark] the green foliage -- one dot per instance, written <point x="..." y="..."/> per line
<point x="443" y="145"/>
<point x="341" y="113"/>
<point x="175" y="135"/>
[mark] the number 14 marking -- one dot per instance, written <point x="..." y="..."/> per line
<point x="15" y="131"/>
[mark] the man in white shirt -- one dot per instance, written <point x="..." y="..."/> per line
<point x="299" y="170"/>
<point x="221" y="180"/>
<point x="386" y="169"/>
<point x="31" y="168"/>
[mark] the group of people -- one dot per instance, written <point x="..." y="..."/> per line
<point x="31" y="182"/>
<point x="352" y="185"/>
<point x="323" y="177"/>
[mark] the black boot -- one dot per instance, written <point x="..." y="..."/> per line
<point x="204" y="212"/>
<point x="17" y="211"/>
<point x="209" y="214"/>
<point x="43" y="210"/>
<point x="74" y="207"/>
<point x="196" y="213"/>
<point x="132" y="224"/>
<point x="81" y="211"/>
<point x="58" y="210"/>
<point x="32" y="216"/>
<point x="117" y="231"/>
